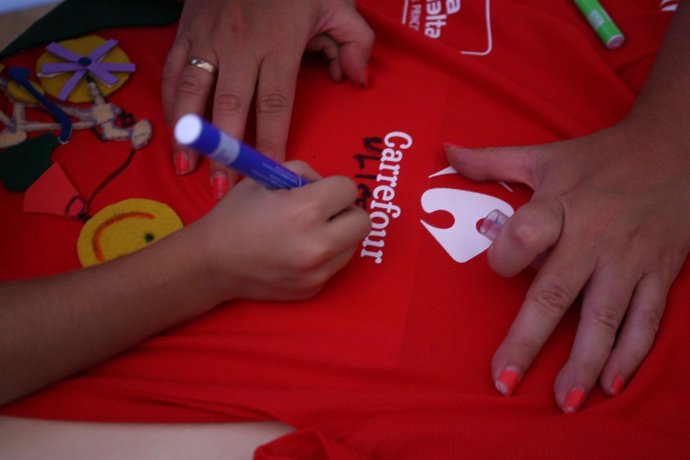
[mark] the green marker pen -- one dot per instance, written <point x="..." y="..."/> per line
<point x="601" y="22"/>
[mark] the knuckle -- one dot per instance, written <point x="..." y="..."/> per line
<point x="369" y="36"/>
<point x="524" y="234"/>
<point x="346" y="187"/>
<point x="228" y="103"/>
<point x="552" y="301"/>
<point x="349" y="187"/>
<point x="311" y="284"/>
<point x="313" y="255"/>
<point x="271" y="147"/>
<point x="307" y="211"/>
<point x="190" y="85"/>
<point x="272" y="103"/>
<point x="589" y="367"/>
<point x="607" y="317"/>
<point x="651" y="322"/>
<point x="526" y="346"/>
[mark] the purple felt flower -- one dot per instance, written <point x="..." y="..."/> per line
<point x="81" y="65"/>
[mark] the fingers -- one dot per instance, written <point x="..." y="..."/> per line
<point x="191" y="91"/>
<point x="512" y="164"/>
<point x="344" y="230"/>
<point x="184" y="89"/>
<point x="349" y="227"/>
<point x="619" y="319"/>
<point x="326" y="45"/>
<point x="604" y="305"/>
<point x="174" y="63"/>
<point x="637" y="334"/>
<point x="333" y="195"/>
<point x="303" y="169"/>
<point x="346" y="224"/>
<point x="274" y="102"/>
<point x="355" y="39"/>
<point x="231" y="101"/>
<point x="553" y="291"/>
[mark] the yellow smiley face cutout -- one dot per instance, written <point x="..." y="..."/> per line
<point x="123" y="228"/>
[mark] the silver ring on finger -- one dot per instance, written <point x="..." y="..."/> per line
<point x="202" y="64"/>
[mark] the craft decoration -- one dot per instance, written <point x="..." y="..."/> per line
<point x="17" y="92"/>
<point x="111" y="121"/>
<point x="92" y="55"/>
<point x="21" y="76"/>
<point x="125" y="227"/>
<point x="53" y="193"/>
<point x="22" y="164"/>
<point x="70" y="19"/>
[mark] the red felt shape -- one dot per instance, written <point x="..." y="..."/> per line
<point x="53" y="193"/>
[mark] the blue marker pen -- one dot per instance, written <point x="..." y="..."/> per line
<point x="192" y="131"/>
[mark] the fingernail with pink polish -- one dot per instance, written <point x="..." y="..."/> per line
<point x="507" y="381"/>
<point x="219" y="184"/>
<point x="182" y="163"/>
<point x="574" y="400"/>
<point x="617" y="385"/>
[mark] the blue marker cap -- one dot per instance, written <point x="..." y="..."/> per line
<point x="194" y="132"/>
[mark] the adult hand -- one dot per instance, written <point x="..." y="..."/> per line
<point x="282" y="244"/>
<point x="256" y="47"/>
<point x="614" y="209"/>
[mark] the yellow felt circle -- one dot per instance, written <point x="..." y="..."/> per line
<point x="18" y="93"/>
<point x="123" y="228"/>
<point x="83" y="46"/>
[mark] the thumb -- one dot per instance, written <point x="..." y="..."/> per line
<point x="354" y="38"/>
<point x="511" y="164"/>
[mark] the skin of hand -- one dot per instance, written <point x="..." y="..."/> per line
<point x="255" y="244"/>
<point x="614" y="208"/>
<point x="319" y="230"/>
<point x="256" y="46"/>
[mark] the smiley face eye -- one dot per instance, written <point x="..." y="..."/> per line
<point x="124" y="227"/>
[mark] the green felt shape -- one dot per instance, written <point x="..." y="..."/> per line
<point x="74" y="18"/>
<point x="21" y="165"/>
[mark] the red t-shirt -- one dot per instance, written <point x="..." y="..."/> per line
<point x="392" y="359"/>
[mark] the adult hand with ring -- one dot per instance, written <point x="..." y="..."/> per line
<point x="229" y="52"/>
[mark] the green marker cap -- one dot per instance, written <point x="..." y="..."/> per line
<point x="601" y="22"/>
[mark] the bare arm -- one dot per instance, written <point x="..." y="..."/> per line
<point x="55" y="326"/>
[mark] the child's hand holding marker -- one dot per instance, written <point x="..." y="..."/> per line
<point x="256" y="244"/>
<point x="267" y="244"/>
<point x="292" y="242"/>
